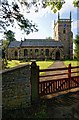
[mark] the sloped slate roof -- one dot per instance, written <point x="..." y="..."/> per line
<point x="14" y="44"/>
<point x="36" y="42"/>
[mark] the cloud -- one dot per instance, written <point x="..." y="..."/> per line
<point x="34" y="35"/>
<point x="35" y="15"/>
<point x="75" y="25"/>
<point x="67" y="6"/>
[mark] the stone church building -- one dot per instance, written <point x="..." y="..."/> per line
<point x="59" y="48"/>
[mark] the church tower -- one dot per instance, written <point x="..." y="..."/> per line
<point x="63" y="33"/>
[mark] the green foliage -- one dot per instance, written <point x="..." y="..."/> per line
<point x="59" y="5"/>
<point x="9" y="35"/>
<point x="76" y="3"/>
<point x="5" y="44"/>
<point x="54" y="4"/>
<point x="49" y="38"/>
<point x="76" y="41"/>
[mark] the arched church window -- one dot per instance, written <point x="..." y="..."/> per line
<point x="36" y="50"/>
<point x="42" y="51"/>
<point x="16" y="54"/>
<point x="30" y="50"/>
<point x="25" y="52"/>
<point x="64" y="30"/>
<point x="47" y="52"/>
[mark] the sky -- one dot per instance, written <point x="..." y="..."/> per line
<point x="45" y="21"/>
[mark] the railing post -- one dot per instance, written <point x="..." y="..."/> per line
<point x="34" y="82"/>
<point x="69" y="73"/>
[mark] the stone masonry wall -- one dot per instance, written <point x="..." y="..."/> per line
<point x="16" y="87"/>
<point x="32" y="55"/>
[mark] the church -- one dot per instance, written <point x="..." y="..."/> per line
<point x="59" y="48"/>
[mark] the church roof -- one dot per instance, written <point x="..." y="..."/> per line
<point x="13" y="44"/>
<point x="36" y="43"/>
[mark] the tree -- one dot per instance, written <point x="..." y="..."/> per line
<point x="10" y="13"/>
<point x="49" y="38"/>
<point x="54" y="4"/>
<point x="76" y="41"/>
<point x="76" y="3"/>
<point x="9" y="35"/>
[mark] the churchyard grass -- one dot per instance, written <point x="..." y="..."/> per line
<point x="72" y="62"/>
<point x="44" y="64"/>
<point x="41" y="64"/>
<point x="14" y="63"/>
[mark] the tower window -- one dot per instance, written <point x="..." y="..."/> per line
<point x="64" y="31"/>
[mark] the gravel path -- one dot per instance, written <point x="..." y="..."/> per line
<point x="57" y="64"/>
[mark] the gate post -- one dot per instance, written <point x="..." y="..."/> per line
<point x="34" y="82"/>
<point x="69" y="73"/>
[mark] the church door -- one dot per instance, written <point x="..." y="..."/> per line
<point x="57" y="55"/>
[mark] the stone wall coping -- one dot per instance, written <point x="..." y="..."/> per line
<point x="16" y="67"/>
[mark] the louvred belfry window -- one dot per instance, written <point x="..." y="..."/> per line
<point x="64" y="30"/>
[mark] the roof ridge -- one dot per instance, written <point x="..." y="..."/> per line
<point x="36" y="42"/>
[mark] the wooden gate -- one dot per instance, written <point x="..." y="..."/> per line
<point x="51" y="83"/>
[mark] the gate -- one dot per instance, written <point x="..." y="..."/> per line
<point x="63" y="81"/>
<point x="44" y="84"/>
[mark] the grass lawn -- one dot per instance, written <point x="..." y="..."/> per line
<point x="13" y="63"/>
<point x="41" y="64"/>
<point x="44" y="64"/>
<point x="72" y="62"/>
